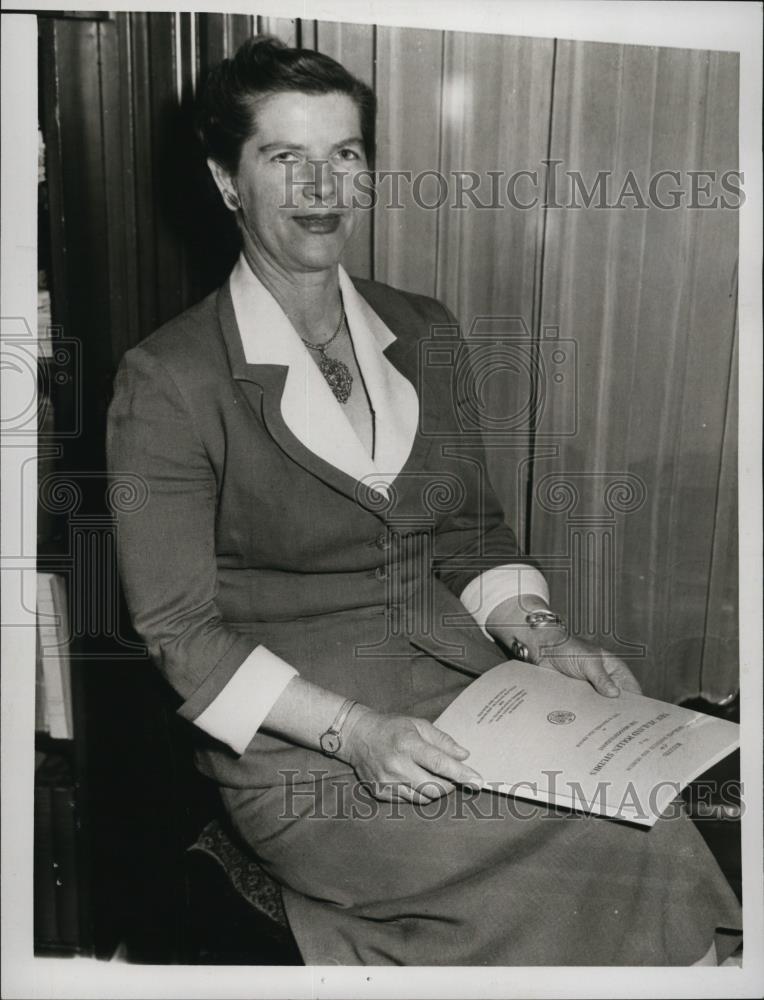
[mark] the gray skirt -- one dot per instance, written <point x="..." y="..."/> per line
<point x="472" y="878"/>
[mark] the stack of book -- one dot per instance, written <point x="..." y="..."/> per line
<point x="53" y="704"/>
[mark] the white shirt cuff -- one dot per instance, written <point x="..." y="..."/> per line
<point x="489" y="589"/>
<point x="238" y="711"/>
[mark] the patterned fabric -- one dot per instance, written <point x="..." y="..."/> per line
<point x="246" y="875"/>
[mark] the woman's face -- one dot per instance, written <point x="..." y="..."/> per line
<point x="295" y="179"/>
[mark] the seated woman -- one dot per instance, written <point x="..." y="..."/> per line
<point x="301" y="570"/>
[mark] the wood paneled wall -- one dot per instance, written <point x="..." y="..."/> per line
<point x="624" y="481"/>
<point x="649" y="297"/>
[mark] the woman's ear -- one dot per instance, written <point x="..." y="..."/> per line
<point x="225" y="185"/>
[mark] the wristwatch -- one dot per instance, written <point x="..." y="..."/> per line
<point x="331" y="741"/>
<point x="543" y="619"/>
<point x="535" y="619"/>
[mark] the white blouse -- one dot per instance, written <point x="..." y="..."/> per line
<point x="318" y="420"/>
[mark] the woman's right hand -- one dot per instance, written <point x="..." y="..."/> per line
<point x="404" y="759"/>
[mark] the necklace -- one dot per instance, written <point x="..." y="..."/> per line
<point x="336" y="372"/>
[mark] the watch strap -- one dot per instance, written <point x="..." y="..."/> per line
<point x="336" y="727"/>
<point x="544" y="619"/>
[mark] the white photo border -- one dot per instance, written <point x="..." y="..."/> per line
<point x="714" y="26"/>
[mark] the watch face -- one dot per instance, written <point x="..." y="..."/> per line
<point x="330" y="742"/>
<point x="541" y="616"/>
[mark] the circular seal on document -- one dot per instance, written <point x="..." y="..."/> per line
<point x="561" y="717"/>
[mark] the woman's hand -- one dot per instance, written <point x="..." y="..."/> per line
<point x="575" y="658"/>
<point x="404" y="759"/>
<point x="551" y="646"/>
<point x="554" y="648"/>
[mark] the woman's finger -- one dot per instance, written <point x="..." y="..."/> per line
<point x="444" y="742"/>
<point x="428" y="786"/>
<point x="419" y="789"/>
<point x="598" y="677"/>
<point x="380" y="790"/>
<point x="439" y="763"/>
<point x="622" y="676"/>
<point x="412" y="793"/>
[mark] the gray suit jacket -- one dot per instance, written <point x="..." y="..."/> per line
<point x="249" y="537"/>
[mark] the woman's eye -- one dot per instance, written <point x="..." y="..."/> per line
<point x="349" y="154"/>
<point x="286" y="157"/>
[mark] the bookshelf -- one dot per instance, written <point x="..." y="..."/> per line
<point x="61" y="912"/>
<point x="111" y="819"/>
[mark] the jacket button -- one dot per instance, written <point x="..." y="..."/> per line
<point x="381" y="573"/>
<point x="382" y="542"/>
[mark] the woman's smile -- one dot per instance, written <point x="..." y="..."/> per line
<point x="319" y="223"/>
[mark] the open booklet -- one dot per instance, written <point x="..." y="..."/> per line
<point x="535" y="734"/>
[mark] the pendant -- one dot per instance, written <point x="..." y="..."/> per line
<point x="337" y="374"/>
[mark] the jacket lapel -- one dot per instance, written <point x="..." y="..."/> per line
<point x="410" y="352"/>
<point x="263" y="386"/>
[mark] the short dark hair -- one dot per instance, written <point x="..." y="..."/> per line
<point x="264" y="65"/>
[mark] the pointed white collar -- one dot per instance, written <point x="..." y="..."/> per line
<point x="308" y="406"/>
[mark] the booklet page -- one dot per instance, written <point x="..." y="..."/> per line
<point x="537" y="734"/>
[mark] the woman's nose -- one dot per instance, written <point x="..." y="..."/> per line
<point x="317" y="180"/>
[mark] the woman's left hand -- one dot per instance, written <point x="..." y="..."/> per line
<point x="553" y="648"/>
<point x="573" y="657"/>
